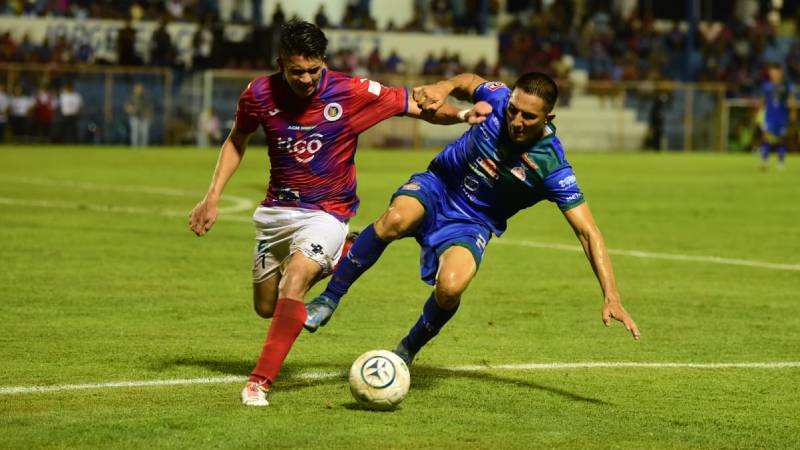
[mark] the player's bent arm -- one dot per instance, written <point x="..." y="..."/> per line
<point x="585" y="227"/>
<point x="449" y="114"/>
<point x="461" y="86"/>
<point x="203" y="216"/>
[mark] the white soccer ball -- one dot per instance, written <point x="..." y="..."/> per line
<point x="379" y="379"/>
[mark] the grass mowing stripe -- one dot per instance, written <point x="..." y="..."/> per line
<point x="326" y="375"/>
<point x="243" y="204"/>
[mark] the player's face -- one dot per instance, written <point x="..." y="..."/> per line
<point x="775" y="74"/>
<point x="302" y="74"/>
<point x="526" y="117"/>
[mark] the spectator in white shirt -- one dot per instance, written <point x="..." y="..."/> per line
<point x="19" y="114"/>
<point x="70" y="103"/>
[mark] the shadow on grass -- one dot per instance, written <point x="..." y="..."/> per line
<point x="425" y="377"/>
<point x="295" y="376"/>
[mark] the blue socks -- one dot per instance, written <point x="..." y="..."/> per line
<point x="765" y="148"/>
<point x="432" y="320"/>
<point x="781" y="153"/>
<point x="367" y="248"/>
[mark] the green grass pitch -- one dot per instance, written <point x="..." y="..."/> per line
<point x="101" y="282"/>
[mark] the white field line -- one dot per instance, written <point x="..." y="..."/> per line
<point x="239" y="203"/>
<point x="340" y="374"/>
<point x="653" y="255"/>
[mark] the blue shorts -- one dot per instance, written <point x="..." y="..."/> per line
<point x="443" y="226"/>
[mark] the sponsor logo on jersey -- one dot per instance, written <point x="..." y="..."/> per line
<point x="332" y="112"/>
<point x="495" y="85"/>
<point x="301" y="127"/>
<point x="529" y="162"/>
<point x="488" y="166"/>
<point x="567" y="181"/>
<point x="574" y="196"/>
<point x="373" y="87"/>
<point x="471" y="183"/>
<point x="287" y="194"/>
<point x="519" y="172"/>
<point x="272" y="112"/>
<point x="303" y="150"/>
<point x="410" y="187"/>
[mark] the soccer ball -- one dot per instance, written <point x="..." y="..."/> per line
<point x="379" y="380"/>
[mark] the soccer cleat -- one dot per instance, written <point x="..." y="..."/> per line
<point x="404" y="354"/>
<point x="318" y="312"/>
<point x="254" y="394"/>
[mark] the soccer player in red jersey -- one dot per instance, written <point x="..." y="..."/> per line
<point x="312" y="117"/>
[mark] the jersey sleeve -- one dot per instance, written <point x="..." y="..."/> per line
<point x="492" y="92"/>
<point x="247" y="117"/>
<point x="561" y="188"/>
<point x="374" y="102"/>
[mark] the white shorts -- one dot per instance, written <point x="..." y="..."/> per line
<point x="282" y="231"/>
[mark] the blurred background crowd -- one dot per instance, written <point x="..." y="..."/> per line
<point x="611" y="41"/>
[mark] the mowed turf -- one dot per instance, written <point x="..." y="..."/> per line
<point x="101" y="281"/>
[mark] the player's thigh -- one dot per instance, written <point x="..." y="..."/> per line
<point x="403" y="216"/>
<point x="457" y="267"/>
<point x="265" y="294"/>
<point x="300" y="274"/>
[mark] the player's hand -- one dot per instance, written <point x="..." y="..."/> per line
<point x="478" y="113"/>
<point x="202" y="217"/>
<point x="614" y="310"/>
<point x="432" y="96"/>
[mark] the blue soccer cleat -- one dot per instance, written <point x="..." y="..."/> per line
<point x="319" y="312"/>
<point x="404" y="354"/>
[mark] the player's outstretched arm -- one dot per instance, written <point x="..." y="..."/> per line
<point x="449" y="114"/>
<point x="582" y="222"/>
<point x="432" y="96"/>
<point x="203" y="216"/>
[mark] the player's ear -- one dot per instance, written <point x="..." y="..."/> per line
<point x="550" y="117"/>
<point x="280" y="63"/>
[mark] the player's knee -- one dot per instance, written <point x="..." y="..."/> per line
<point x="448" y="292"/>
<point x="263" y="308"/>
<point x="393" y="225"/>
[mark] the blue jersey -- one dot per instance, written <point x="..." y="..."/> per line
<point x="776" y="106"/>
<point x="489" y="177"/>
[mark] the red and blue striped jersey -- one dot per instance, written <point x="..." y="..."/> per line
<point x="312" y="141"/>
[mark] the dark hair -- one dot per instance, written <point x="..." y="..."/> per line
<point x="299" y="38"/>
<point x="540" y="85"/>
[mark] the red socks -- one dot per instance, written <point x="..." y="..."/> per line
<point x="287" y="322"/>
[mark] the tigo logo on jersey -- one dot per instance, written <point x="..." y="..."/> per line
<point x="332" y="112"/>
<point x="303" y="150"/>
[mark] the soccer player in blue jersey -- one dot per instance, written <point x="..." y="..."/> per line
<point x="779" y="109"/>
<point x="509" y="162"/>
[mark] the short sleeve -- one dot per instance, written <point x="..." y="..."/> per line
<point x="247" y="118"/>
<point x="491" y="92"/>
<point x="562" y="189"/>
<point x="375" y="102"/>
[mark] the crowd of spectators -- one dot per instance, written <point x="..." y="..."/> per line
<point x="614" y="47"/>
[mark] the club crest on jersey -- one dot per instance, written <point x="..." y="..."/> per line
<point x="519" y="172"/>
<point x="332" y="112"/>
